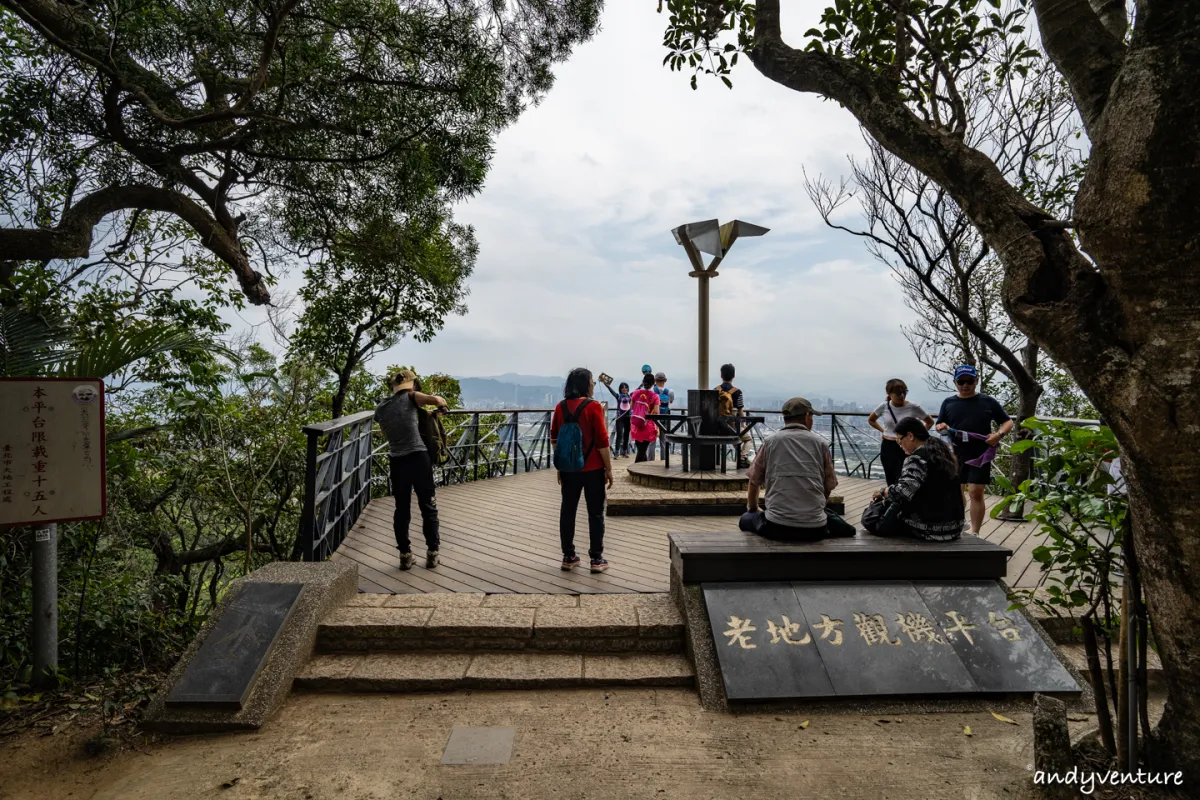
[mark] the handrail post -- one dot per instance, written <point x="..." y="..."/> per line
<point x="475" y="449"/>
<point x="308" y="520"/>
<point x="516" y="432"/>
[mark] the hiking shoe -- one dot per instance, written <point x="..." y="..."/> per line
<point x="570" y="562"/>
<point x="599" y="565"/>
<point x="407" y="560"/>
<point x="743" y="464"/>
<point x="432" y="558"/>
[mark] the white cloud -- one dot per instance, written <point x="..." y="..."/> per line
<point x="577" y="264"/>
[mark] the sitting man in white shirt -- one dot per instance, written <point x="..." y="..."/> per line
<point x="795" y="466"/>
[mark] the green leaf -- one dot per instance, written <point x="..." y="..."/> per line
<point x="1022" y="446"/>
<point x="115" y="351"/>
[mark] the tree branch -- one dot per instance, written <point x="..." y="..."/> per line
<point x="1112" y="14"/>
<point x="72" y="238"/>
<point x="1085" y="52"/>
<point x="1049" y="286"/>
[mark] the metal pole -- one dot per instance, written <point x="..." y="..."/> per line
<point x="308" y="520"/>
<point x="702" y="367"/>
<point x="45" y="606"/>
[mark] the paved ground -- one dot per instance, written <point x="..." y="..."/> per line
<point x="586" y="743"/>
<point x="501" y="535"/>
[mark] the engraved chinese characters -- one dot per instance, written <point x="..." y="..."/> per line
<point x="872" y="627"/>
<point x="51" y="450"/>
<point x="780" y="640"/>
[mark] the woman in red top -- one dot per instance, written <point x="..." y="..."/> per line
<point x="643" y="431"/>
<point x="597" y="475"/>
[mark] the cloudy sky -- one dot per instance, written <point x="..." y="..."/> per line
<point x="577" y="265"/>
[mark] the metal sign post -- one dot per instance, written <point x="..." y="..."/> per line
<point x="51" y="471"/>
<point x="711" y="237"/>
<point x="45" y="605"/>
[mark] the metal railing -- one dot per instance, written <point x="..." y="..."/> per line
<point x="337" y="482"/>
<point x="346" y="459"/>
<point x="484" y="444"/>
<point x="855" y="444"/>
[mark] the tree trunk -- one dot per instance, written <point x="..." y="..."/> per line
<point x="1165" y="525"/>
<point x="339" y="397"/>
<point x="1123" y="321"/>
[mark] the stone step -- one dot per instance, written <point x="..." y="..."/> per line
<point x="644" y="623"/>
<point x="436" y="672"/>
<point x="1076" y="655"/>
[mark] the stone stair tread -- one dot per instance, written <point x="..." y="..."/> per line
<point x="440" y="671"/>
<point x="1076" y="655"/>
<point x="597" y="624"/>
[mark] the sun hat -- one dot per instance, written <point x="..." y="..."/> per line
<point x="404" y="379"/>
<point x="797" y="407"/>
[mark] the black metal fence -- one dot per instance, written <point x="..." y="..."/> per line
<point x="337" y="482"/>
<point x="346" y="459"/>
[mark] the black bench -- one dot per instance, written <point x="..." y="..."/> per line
<point x="738" y="556"/>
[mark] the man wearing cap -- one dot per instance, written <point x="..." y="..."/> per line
<point x="969" y="412"/>
<point x="795" y="466"/>
<point x="665" y="398"/>
<point x="411" y="468"/>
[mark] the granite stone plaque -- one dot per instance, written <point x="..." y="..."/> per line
<point x="764" y="647"/>
<point x="224" y="668"/>
<point x="999" y="647"/>
<point x="880" y="638"/>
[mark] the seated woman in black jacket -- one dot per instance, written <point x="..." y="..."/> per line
<point x="928" y="492"/>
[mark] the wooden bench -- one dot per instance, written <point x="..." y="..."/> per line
<point x="738" y="556"/>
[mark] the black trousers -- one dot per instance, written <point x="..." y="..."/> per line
<point x="622" y="431"/>
<point x="642" y="447"/>
<point x="414" y="472"/>
<point x="591" y="485"/>
<point x="757" y="522"/>
<point x="891" y="456"/>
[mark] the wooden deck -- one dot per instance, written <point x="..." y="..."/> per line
<point x="501" y="536"/>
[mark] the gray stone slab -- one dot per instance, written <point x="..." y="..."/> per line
<point x="525" y="670"/>
<point x="479" y="746"/>
<point x="435" y="600"/>
<point x="763" y="644"/>
<point x="481" y="622"/>
<point x="367" y="600"/>
<point x="1000" y="648"/>
<point x="585" y="623"/>
<point x="327" y="584"/>
<point x="531" y="601"/>
<point x="659" y="622"/>
<point x="868" y="650"/>
<point x="228" y="662"/>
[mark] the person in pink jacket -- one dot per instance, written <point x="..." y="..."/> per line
<point x="643" y="431"/>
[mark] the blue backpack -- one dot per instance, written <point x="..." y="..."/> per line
<point x="569" y="455"/>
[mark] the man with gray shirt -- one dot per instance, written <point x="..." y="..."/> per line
<point x="795" y="466"/>
<point x="411" y="469"/>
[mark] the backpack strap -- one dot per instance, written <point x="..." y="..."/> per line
<point x="587" y="451"/>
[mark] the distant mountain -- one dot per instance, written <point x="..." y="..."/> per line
<point x="526" y="380"/>
<point x="492" y="393"/>
<point x="542" y="391"/>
